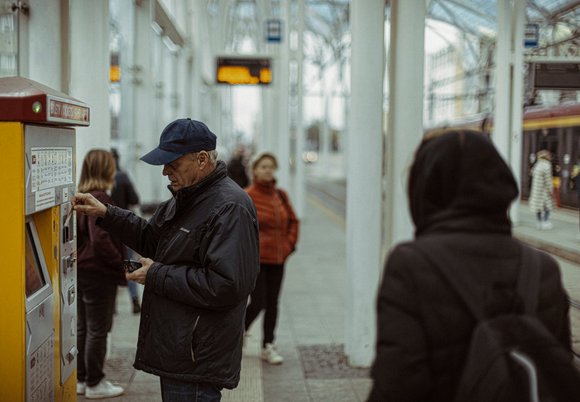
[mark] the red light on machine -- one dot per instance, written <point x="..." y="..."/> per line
<point x="32" y="102"/>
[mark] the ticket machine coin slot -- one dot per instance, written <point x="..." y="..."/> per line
<point x="71" y="295"/>
<point x="65" y="234"/>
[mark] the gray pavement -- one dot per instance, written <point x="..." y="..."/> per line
<point x="311" y="330"/>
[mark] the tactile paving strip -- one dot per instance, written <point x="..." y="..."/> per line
<point x="120" y="364"/>
<point x="327" y="362"/>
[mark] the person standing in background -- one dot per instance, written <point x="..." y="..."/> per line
<point x="237" y="167"/>
<point x="541" y="201"/>
<point x="125" y="196"/>
<point x="278" y="237"/>
<point x="100" y="271"/>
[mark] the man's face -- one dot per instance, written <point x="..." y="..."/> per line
<point x="186" y="170"/>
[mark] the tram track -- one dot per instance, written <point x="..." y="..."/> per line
<point x="331" y="195"/>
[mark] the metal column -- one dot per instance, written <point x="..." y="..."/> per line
<point x="363" y="209"/>
<point x="509" y="76"/>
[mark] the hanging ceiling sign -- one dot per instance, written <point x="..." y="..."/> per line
<point x="274" y="30"/>
<point x="243" y="70"/>
<point x="557" y="75"/>
<point x="531" y="35"/>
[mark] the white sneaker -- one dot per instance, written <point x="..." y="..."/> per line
<point x="81" y="388"/>
<point x="271" y="355"/>
<point x="104" y="389"/>
<point x="539" y="225"/>
<point x="547" y="225"/>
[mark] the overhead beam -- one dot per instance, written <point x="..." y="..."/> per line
<point x="167" y="25"/>
<point x="568" y="8"/>
<point x="456" y="22"/>
<point x="545" y="13"/>
<point x="469" y="8"/>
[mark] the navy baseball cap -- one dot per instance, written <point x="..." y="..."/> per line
<point x="179" y="138"/>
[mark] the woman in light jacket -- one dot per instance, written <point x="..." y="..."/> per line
<point x="278" y="236"/>
<point x="541" y="201"/>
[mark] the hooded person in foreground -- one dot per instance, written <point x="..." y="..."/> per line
<point x="459" y="193"/>
<point x="201" y="261"/>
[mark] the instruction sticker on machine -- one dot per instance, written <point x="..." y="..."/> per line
<point x="44" y="199"/>
<point x="51" y="167"/>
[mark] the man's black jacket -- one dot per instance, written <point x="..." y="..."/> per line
<point x="204" y="242"/>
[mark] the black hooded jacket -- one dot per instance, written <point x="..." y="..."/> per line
<point x="459" y="192"/>
<point x="205" y="245"/>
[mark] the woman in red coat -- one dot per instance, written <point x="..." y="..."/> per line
<point x="278" y="236"/>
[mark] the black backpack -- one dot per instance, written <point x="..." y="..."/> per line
<point x="512" y="357"/>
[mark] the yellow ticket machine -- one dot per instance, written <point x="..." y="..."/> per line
<point x="38" y="236"/>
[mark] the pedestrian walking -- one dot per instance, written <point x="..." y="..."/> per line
<point x="200" y="263"/>
<point x="541" y="195"/>
<point x="237" y="167"/>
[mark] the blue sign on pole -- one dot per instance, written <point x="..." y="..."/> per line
<point x="274" y="30"/>
<point x="531" y="35"/>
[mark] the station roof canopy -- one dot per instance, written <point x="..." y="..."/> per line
<point x="479" y="16"/>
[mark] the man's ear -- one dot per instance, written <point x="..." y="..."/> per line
<point x="202" y="158"/>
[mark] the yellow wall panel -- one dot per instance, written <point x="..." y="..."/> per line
<point x="12" y="238"/>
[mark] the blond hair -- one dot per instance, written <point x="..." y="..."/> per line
<point x="98" y="171"/>
<point x="544" y="154"/>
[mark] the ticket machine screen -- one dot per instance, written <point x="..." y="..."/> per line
<point x="39" y="320"/>
<point x="34" y="276"/>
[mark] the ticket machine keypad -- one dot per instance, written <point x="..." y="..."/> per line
<point x="39" y="375"/>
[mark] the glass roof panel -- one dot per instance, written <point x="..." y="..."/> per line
<point x="479" y="16"/>
<point x="475" y="17"/>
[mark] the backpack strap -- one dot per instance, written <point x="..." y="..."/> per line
<point x="528" y="285"/>
<point x="460" y="282"/>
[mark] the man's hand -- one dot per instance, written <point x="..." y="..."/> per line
<point x="86" y="204"/>
<point x="139" y="275"/>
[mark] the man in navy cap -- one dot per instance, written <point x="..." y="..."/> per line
<point x="200" y="264"/>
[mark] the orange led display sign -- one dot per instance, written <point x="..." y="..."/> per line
<point x="243" y="71"/>
<point x="115" y="74"/>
